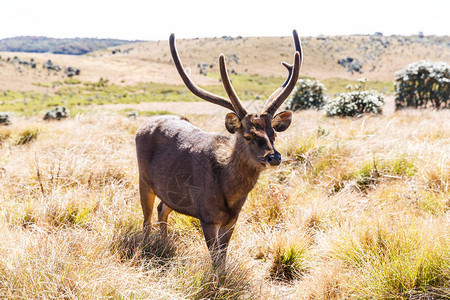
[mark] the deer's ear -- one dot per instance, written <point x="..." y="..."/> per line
<point x="232" y="122"/>
<point x="282" y="120"/>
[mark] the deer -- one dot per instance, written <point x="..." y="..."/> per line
<point x="207" y="175"/>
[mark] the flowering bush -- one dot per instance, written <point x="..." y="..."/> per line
<point x="58" y="113"/>
<point x="5" y="119"/>
<point x="355" y="103"/>
<point x="308" y="94"/>
<point x="423" y="84"/>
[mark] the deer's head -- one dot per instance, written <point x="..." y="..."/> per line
<point x="255" y="132"/>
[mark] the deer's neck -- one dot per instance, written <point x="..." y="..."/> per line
<point x="239" y="175"/>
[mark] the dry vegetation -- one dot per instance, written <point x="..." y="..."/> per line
<point x="359" y="209"/>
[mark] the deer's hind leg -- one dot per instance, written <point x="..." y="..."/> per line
<point x="147" y="197"/>
<point x="163" y="214"/>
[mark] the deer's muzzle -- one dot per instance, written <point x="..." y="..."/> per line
<point x="274" y="159"/>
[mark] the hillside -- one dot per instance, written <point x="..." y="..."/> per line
<point x="131" y="64"/>
<point x="75" y="46"/>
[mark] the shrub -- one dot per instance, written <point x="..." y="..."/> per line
<point x="58" y="113"/>
<point x="308" y="94"/>
<point x="355" y="103"/>
<point x="423" y="84"/>
<point x="5" y="119"/>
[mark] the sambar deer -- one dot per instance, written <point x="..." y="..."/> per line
<point x="208" y="175"/>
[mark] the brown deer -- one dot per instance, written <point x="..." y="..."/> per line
<point x="208" y="175"/>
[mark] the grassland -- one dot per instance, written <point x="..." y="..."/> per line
<point x="79" y="96"/>
<point x="359" y="209"/>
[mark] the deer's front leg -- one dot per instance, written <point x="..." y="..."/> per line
<point x="225" y="233"/>
<point x="211" y="233"/>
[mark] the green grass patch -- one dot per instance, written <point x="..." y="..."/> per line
<point x="336" y="85"/>
<point x="72" y="81"/>
<point x="72" y="92"/>
<point x="369" y="173"/>
<point x="394" y="261"/>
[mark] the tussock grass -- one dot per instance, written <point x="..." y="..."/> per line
<point x="233" y="282"/>
<point x="394" y="259"/>
<point x="290" y="259"/>
<point x="358" y="209"/>
<point x="27" y="135"/>
<point x="5" y="133"/>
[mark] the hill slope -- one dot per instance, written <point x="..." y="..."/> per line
<point x="39" y="44"/>
<point x="130" y="64"/>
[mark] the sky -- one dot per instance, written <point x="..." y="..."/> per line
<point x="155" y="20"/>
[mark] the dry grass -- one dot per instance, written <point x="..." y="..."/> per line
<point x="359" y="209"/>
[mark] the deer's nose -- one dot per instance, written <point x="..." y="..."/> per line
<point x="274" y="159"/>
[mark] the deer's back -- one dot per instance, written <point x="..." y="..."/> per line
<point x="172" y="135"/>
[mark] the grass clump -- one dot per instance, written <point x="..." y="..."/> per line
<point x="434" y="203"/>
<point x="72" y="214"/>
<point x="394" y="261"/>
<point x="232" y="282"/>
<point x="72" y="81"/>
<point x="267" y="204"/>
<point x="304" y="149"/>
<point x="372" y="172"/>
<point x="438" y="178"/>
<point x="289" y="260"/>
<point x="27" y="135"/>
<point x="5" y="134"/>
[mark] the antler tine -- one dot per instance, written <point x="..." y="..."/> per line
<point x="278" y="90"/>
<point x="199" y="92"/>
<point x="279" y="96"/>
<point x="238" y="106"/>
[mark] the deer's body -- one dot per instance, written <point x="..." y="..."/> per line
<point x="194" y="172"/>
<point x="207" y="175"/>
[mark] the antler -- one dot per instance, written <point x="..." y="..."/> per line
<point x="199" y="92"/>
<point x="240" y="108"/>
<point x="280" y="95"/>
<point x="235" y="105"/>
